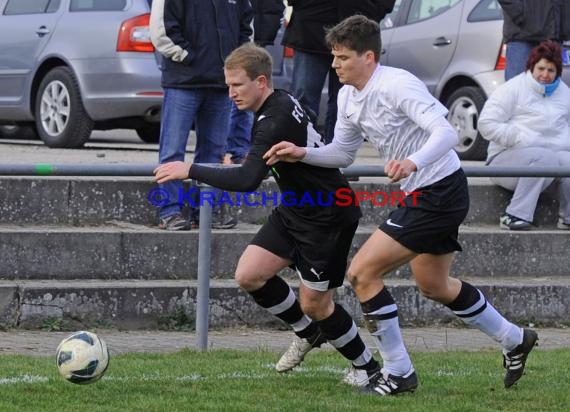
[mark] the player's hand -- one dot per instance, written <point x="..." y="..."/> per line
<point x="171" y="171"/>
<point x="399" y="169"/>
<point x="284" y="152"/>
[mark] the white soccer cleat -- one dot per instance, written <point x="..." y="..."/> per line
<point x="358" y="378"/>
<point x="294" y="355"/>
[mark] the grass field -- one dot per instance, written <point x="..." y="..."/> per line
<point x="246" y="381"/>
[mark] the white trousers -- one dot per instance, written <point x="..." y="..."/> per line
<point x="528" y="189"/>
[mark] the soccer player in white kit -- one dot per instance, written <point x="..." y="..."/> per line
<point x="394" y="110"/>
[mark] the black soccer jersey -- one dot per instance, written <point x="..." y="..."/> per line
<point x="309" y="194"/>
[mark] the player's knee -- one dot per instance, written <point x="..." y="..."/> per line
<point x="316" y="310"/>
<point x="308" y="308"/>
<point x="431" y="292"/>
<point x="245" y="280"/>
<point x="352" y="274"/>
<point x="351" y="277"/>
<point x="356" y="276"/>
<point x="425" y="292"/>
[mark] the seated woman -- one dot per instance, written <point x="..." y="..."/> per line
<point x="527" y="121"/>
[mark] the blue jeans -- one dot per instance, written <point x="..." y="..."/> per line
<point x="309" y="73"/>
<point x="239" y="138"/>
<point x="517" y="56"/>
<point x="209" y="110"/>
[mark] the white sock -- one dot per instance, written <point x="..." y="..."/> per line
<point x="492" y="323"/>
<point x="388" y="338"/>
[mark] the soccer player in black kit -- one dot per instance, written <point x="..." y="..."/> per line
<point x="313" y="238"/>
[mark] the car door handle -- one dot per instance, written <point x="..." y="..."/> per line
<point x="42" y="31"/>
<point x="383" y="51"/>
<point x="442" y="41"/>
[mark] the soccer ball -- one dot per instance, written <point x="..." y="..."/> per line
<point x="82" y="358"/>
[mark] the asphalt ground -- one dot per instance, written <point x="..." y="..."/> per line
<point x="122" y="147"/>
<point x="42" y="343"/>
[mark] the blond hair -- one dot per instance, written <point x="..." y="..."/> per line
<point x="255" y="60"/>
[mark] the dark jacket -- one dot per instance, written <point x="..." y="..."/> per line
<point x="266" y="20"/>
<point x="195" y="36"/>
<point x="565" y="20"/>
<point x="310" y="18"/>
<point x="373" y="9"/>
<point x="535" y="20"/>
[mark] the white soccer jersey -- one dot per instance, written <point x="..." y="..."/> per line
<point x="396" y="113"/>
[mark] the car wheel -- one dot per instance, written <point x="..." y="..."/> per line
<point x="9" y="131"/>
<point x="150" y="133"/>
<point x="464" y="106"/>
<point x="61" y="119"/>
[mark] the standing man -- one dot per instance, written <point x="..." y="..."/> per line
<point x="267" y="18"/>
<point x="395" y="111"/>
<point x="305" y="34"/>
<point x="311" y="236"/>
<point x="195" y="36"/>
<point x="527" y="23"/>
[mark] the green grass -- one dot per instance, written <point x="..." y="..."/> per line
<point x="246" y="381"/>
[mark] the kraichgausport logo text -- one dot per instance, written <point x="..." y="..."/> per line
<point x="194" y="197"/>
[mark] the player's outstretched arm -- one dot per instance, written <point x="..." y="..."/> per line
<point x="284" y="152"/>
<point x="171" y="171"/>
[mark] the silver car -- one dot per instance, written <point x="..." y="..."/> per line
<point x="70" y="66"/>
<point x="455" y="47"/>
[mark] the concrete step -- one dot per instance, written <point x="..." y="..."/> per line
<point x="93" y="201"/>
<point x="126" y="251"/>
<point x="171" y="304"/>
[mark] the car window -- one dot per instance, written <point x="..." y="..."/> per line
<point x="53" y="6"/>
<point x="426" y="9"/>
<point x="486" y="10"/>
<point x="97" y="5"/>
<point x="388" y="21"/>
<point x="31" y="6"/>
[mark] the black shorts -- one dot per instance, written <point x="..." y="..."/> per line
<point x="319" y="255"/>
<point x="429" y="222"/>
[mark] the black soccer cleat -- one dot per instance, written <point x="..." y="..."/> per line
<point x="514" y="361"/>
<point x="384" y="384"/>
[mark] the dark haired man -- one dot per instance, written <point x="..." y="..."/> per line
<point x="394" y="110"/>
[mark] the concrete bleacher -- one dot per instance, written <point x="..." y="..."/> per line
<point x="85" y="252"/>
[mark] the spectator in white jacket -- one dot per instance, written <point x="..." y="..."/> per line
<point x="527" y="121"/>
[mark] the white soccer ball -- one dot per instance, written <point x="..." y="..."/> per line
<point x="82" y="358"/>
